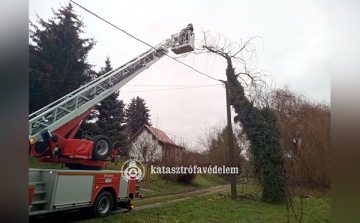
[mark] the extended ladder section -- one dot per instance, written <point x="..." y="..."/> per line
<point x="76" y="103"/>
<point x="81" y="100"/>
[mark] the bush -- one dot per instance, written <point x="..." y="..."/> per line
<point x="169" y="177"/>
<point x="181" y="178"/>
<point x="186" y="178"/>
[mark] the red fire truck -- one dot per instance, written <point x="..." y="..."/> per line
<point x="55" y="136"/>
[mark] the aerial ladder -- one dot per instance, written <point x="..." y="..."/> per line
<point x="54" y="130"/>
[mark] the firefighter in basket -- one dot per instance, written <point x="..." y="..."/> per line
<point x="183" y="34"/>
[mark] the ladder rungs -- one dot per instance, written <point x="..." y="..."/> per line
<point x="39" y="202"/>
<point x="37" y="183"/>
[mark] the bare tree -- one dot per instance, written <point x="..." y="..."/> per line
<point x="209" y="133"/>
<point x="243" y="57"/>
<point x="215" y="142"/>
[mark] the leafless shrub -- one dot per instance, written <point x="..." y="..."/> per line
<point x="305" y="130"/>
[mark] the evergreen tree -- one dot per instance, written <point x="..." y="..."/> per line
<point x="58" y="57"/>
<point x="111" y="114"/>
<point x="137" y="115"/>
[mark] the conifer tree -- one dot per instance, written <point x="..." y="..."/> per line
<point x="137" y="115"/>
<point x="58" y="57"/>
<point x="111" y="114"/>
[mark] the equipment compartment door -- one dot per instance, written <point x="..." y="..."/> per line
<point x="73" y="189"/>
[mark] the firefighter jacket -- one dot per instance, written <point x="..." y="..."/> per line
<point x="189" y="27"/>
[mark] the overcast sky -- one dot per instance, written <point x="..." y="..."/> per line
<point x="296" y="51"/>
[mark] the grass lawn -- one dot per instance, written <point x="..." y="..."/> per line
<point x="162" y="187"/>
<point x="222" y="209"/>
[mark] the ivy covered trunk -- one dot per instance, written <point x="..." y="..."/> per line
<point x="264" y="135"/>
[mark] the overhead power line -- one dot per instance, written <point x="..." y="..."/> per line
<point x="142" y="41"/>
<point x="174" y="88"/>
<point x="131" y="85"/>
<point x="160" y="85"/>
<point x="168" y="89"/>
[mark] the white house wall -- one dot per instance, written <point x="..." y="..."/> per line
<point x="138" y="141"/>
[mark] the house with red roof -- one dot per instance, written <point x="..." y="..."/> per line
<point x="151" y="145"/>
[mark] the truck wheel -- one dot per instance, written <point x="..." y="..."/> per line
<point x="101" y="148"/>
<point x="103" y="204"/>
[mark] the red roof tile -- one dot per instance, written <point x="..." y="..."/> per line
<point x="160" y="135"/>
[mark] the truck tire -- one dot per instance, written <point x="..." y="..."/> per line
<point x="103" y="204"/>
<point x="102" y="148"/>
